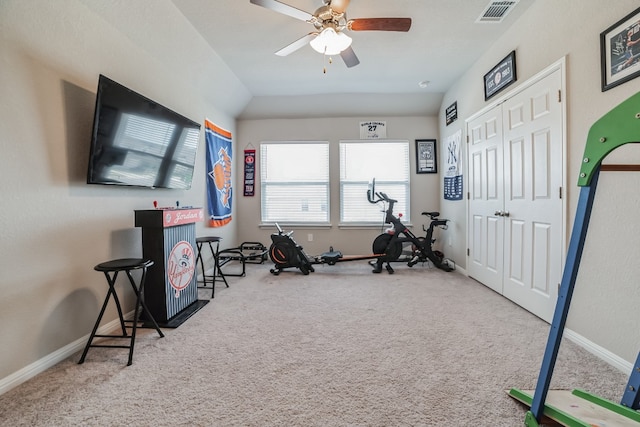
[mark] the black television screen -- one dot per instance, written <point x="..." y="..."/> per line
<point x="138" y="142"/>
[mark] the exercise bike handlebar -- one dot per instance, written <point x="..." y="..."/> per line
<point x="380" y="197"/>
<point x="442" y="223"/>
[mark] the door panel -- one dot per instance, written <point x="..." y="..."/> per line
<point x="516" y="259"/>
<point x="541" y="241"/>
<point x="516" y="164"/>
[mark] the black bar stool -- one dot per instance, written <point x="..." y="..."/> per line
<point x="217" y="272"/>
<point x="111" y="270"/>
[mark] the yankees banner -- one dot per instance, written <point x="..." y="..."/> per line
<point x="453" y="168"/>
<point x="219" y="156"/>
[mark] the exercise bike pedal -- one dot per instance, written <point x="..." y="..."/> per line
<point x="389" y="268"/>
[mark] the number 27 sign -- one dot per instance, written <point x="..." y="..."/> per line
<point x="373" y="130"/>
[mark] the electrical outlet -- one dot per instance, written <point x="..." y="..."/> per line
<point x="310" y="237"/>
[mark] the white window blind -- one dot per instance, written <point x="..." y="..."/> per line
<point x="360" y="162"/>
<point x="294" y="182"/>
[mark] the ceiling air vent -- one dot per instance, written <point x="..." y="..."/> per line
<point x="496" y="11"/>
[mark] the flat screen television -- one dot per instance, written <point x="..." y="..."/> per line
<point x="138" y="142"/>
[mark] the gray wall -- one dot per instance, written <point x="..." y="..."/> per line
<point x="606" y="296"/>
<point x="54" y="228"/>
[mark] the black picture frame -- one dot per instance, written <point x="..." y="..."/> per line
<point x="426" y="156"/>
<point x="451" y="113"/>
<point x="502" y="75"/>
<point x="619" y="61"/>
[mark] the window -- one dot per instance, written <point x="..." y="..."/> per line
<point x="360" y="162"/>
<point x="294" y="182"/>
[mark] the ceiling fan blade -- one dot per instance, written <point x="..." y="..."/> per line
<point x="379" y="24"/>
<point x="339" y="6"/>
<point x="349" y="57"/>
<point x="303" y="41"/>
<point x="283" y="8"/>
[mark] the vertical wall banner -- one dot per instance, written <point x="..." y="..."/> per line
<point x="451" y="113"/>
<point x="453" y="167"/>
<point x="249" y="171"/>
<point x="219" y="156"/>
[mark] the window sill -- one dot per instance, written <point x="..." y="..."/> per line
<point x="294" y="225"/>
<point x="355" y="226"/>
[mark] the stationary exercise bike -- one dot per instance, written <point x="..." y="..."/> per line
<point x="390" y="243"/>
<point x="387" y="247"/>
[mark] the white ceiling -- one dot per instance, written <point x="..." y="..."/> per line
<point x="443" y="42"/>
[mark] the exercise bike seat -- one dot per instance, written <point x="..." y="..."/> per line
<point x="431" y="214"/>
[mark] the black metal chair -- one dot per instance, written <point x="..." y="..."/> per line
<point x="217" y="272"/>
<point x="111" y="270"/>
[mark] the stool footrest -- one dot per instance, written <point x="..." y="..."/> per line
<point x="110" y="346"/>
<point x="111" y="336"/>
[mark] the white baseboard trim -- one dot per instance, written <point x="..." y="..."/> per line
<point x="600" y="352"/>
<point x="461" y="270"/>
<point x="39" y="366"/>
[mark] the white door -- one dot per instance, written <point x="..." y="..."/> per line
<point x="515" y="207"/>
<point x="486" y="198"/>
<point x="533" y="171"/>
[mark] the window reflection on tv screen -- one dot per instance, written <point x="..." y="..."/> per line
<point x="138" y="142"/>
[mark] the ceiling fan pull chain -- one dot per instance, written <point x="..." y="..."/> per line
<point x="324" y="55"/>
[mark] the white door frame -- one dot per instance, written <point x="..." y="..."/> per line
<point x="558" y="65"/>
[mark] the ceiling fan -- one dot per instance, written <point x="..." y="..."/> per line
<point x="330" y="22"/>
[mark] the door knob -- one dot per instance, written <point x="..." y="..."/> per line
<point x="498" y="213"/>
<point x="505" y="213"/>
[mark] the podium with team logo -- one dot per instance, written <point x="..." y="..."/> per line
<point x="169" y="240"/>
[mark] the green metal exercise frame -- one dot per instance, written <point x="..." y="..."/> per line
<point x="618" y="127"/>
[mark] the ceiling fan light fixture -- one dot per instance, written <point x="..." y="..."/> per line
<point x="330" y="42"/>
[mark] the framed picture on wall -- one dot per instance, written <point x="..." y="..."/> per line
<point x="426" y="160"/>
<point x="620" y="51"/>
<point x="500" y="76"/>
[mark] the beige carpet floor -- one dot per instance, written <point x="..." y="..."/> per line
<point x="339" y="347"/>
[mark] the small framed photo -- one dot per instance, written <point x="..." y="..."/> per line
<point x="500" y="76"/>
<point x="620" y="51"/>
<point x="426" y="159"/>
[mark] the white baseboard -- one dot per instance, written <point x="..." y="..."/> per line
<point x="461" y="270"/>
<point x="54" y="358"/>
<point x="600" y="352"/>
